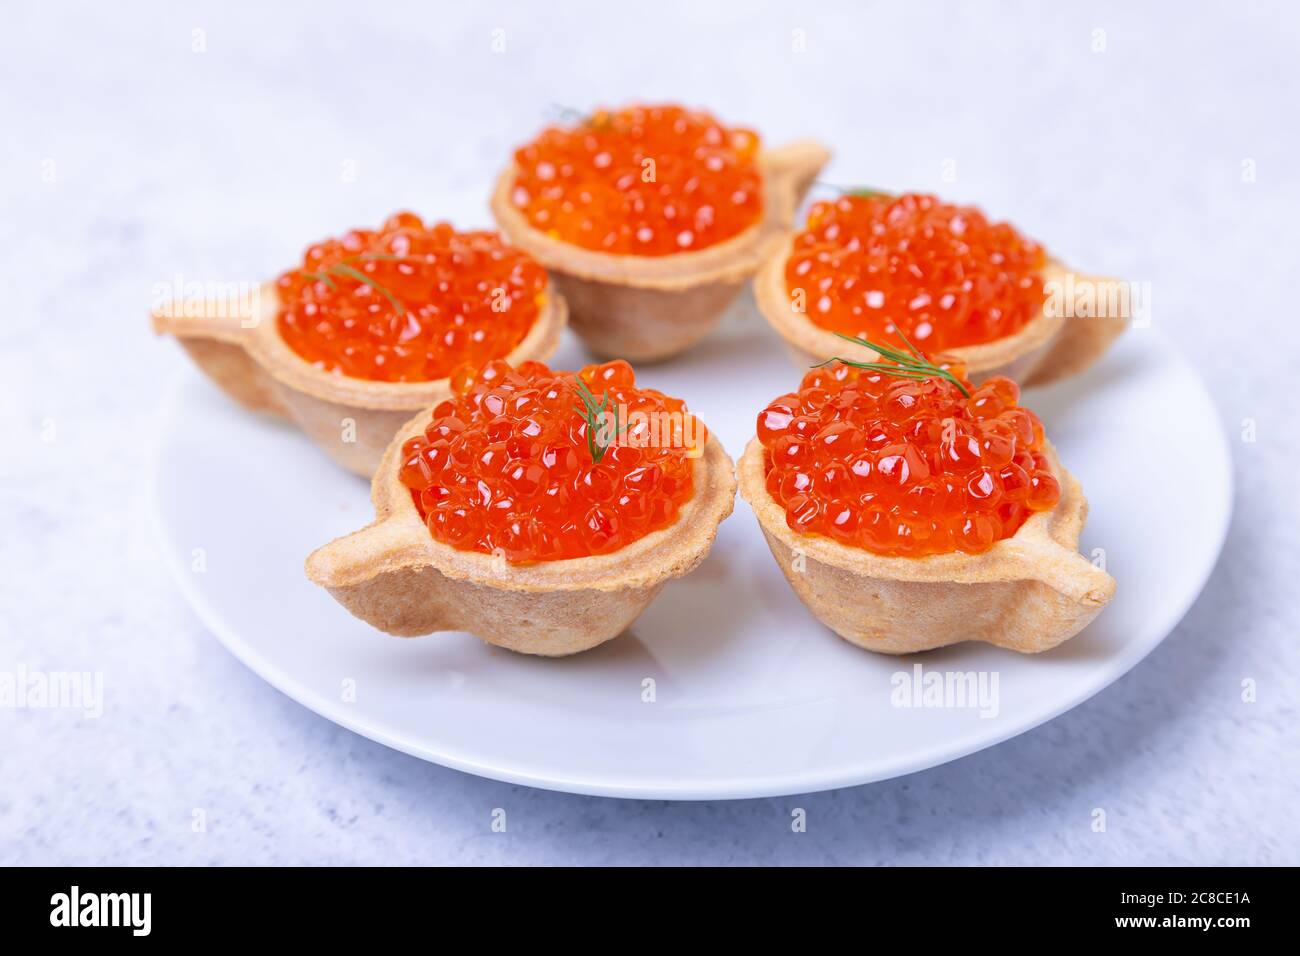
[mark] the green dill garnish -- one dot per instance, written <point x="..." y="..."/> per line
<point x="911" y="364"/>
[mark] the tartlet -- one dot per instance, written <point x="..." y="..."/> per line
<point x="888" y="592"/>
<point x="240" y="343"/>
<point x="398" y="577"/>
<point x="649" y="307"/>
<point x="1047" y="347"/>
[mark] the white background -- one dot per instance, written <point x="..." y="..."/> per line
<point x="128" y="157"/>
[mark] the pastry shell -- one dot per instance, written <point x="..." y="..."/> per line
<point x="351" y="419"/>
<point x="1028" y="593"/>
<point x="646" y="308"/>
<point x="396" y="577"/>
<point x="1049" y="347"/>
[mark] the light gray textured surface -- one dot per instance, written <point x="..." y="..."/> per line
<point x="222" y="163"/>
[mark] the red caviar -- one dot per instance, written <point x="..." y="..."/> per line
<point x="409" y="302"/>
<point x="643" y="180"/>
<point x="505" y="466"/>
<point x="943" y="274"/>
<point x="905" y="467"/>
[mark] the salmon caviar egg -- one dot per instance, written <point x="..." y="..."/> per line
<point x="506" y="466"/>
<point x="408" y="302"/>
<point x="905" y="467"/>
<point x="642" y="180"/>
<point x="866" y="265"/>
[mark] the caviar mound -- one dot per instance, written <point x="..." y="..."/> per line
<point x="904" y="467"/>
<point x="408" y="302"/>
<point x="515" y="464"/>
<point x="867" y="265"/>
<point x="641" y="180"/>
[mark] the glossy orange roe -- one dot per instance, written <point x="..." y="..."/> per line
<point x="943" y="274"/>
<point x="505" y="467"/>
<point x="902" y="467"/>
<point x="431" y="299"/>
<point x="643" y="180"/>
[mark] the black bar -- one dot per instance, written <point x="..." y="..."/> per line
<point x="334" y="905"/>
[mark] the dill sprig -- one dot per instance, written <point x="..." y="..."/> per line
<point x="342" y="268"/>
<point x="911" y="364"/>
<point x="360" y="276"/>
<point x="576" y="117"/>
<point x="568" y="114"/>
<point x="861" y="192"/>
<point x="594" y="413"/>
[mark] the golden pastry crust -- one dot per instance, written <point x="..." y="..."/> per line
<point x="351" y="419"/>
<point x="646" y="308"/>
<point x="396" y="577"/>
<point x="1049" y="347"/>
<point x="1028" y="593"/>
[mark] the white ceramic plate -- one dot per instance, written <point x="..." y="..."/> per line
<point x="752" y="696"/>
